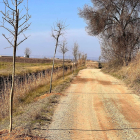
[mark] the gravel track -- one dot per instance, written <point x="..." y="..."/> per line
<point x="96" y="107"/>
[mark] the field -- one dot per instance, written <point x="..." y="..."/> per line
<point x="27" y="65"/>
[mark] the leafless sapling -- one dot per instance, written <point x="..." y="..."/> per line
<point x="79" y="57"/>
<point x="63" y="50"/>
<point x="85" y="58"/>
<point x="19" y="24"/>
<point x="57" y="31"/>
<point x="75" y="52"/>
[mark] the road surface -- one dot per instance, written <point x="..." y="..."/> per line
<point x="96" y="107"/>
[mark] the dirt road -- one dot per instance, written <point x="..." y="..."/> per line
<point x="96" y="107"/>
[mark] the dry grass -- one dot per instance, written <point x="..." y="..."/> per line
<point x="130" y="74"/>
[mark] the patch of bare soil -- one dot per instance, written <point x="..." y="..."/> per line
<point x="47" y="95"/>
<point x="78" y="79"/>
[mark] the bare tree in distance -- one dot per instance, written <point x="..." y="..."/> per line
<point x="75" y="52"/>
<point x="63" y="50"/>
<point x="11" y="15"/>
<point x="57" y="31"/>
<point x="79" y="57"/>
<point x="27" y="52"/>
<point x="118" y="21"/>
<point x="84" y="58"/>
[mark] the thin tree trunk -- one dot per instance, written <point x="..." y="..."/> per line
<point x="73" y="65"/>
<point x="52" y="74"/>
<point x="13" y="74"/>
<point x="12" y="90"/>
<point x="63" y="66"/>
<point x="53" y="65"/>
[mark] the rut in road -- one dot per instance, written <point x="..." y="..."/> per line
<point x="96" y="107"/>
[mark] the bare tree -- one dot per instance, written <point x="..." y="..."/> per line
<point x="118" y="22"/>
<point x="19" y="25"/>
<point x="75" y="52"/>
<point x="85" y="58"/>
<point x="27" y="52"/>
<point x="57" y="31"/>
<point x="63" y="50"/>
<point x="79" y="57"/>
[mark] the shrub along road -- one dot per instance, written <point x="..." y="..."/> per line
<point x="96" y="106"/>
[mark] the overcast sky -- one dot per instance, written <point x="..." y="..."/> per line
<point x="44" y="15"/>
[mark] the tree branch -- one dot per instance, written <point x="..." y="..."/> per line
<point x="23" y="23"/>
<point x="22" y="41"/>
<point x="9" y="22"/>
<point x="25" y="28"/>
<point x="7" y="30"/>
<point x="7" y="5"/>
<point x="8" y="40"/>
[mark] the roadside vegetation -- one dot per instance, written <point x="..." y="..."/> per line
<point x="36" y="109"/>
<point x="129" y="74"/>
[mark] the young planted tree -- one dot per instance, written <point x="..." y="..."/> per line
<point x="63" y="50"/>
<point x="75" y="51"/>
<point x="57" y="31"/>
<point x="79" y="57"/>
<point x="85" y="58"/>
<point x="18" y="26"/>
<point x="99" y="64"/>
<point x="27" y="52"/>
